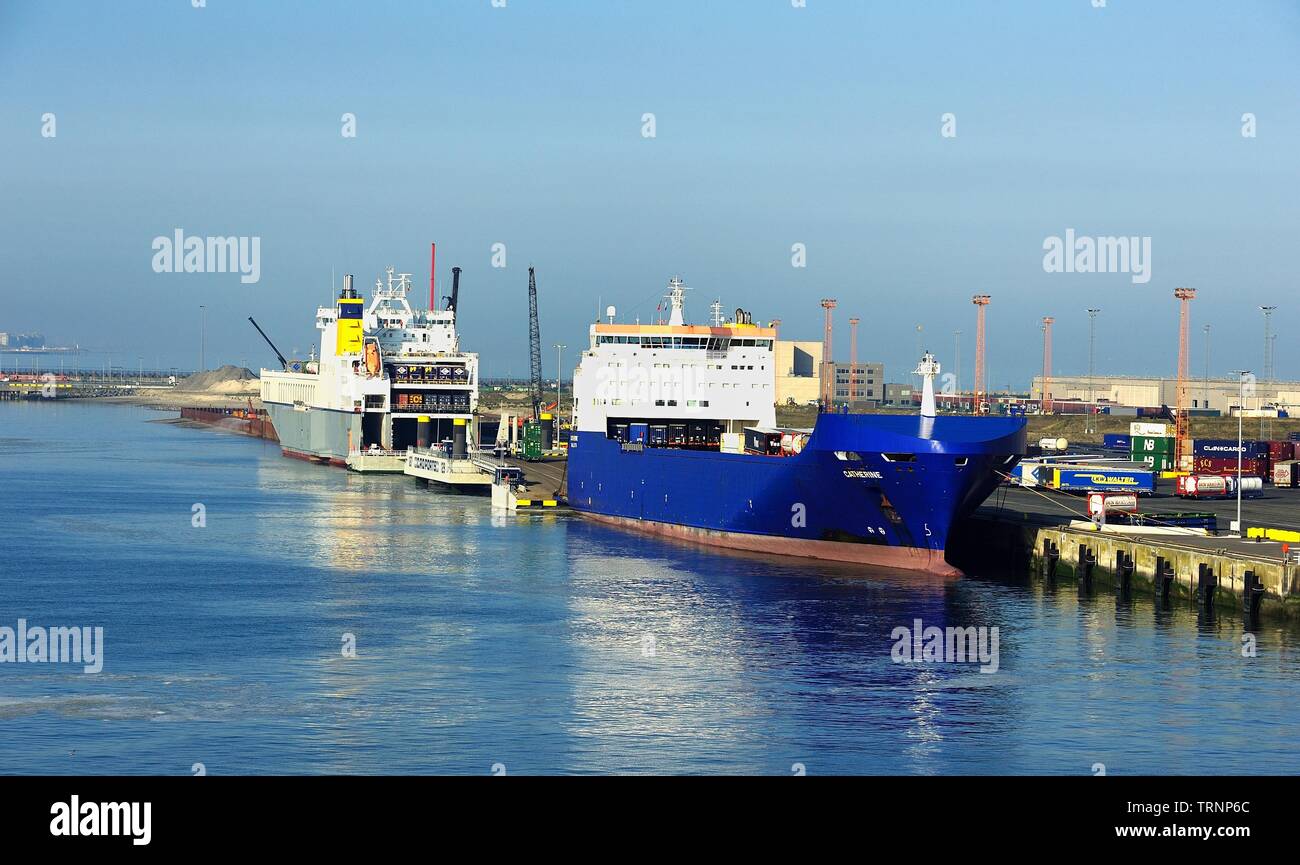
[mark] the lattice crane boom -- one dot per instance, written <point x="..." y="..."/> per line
<point x="534" y="346"/>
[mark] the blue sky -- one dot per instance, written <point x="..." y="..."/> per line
<point x="775" y="125"/>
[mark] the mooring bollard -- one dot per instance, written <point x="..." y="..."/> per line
<point x="1164" y="578"/>
<point x="1252" y="596"/>
<point x="1206" y="583"/>
<point x="1124" y="571"/>
<point x="1087" y="559"/>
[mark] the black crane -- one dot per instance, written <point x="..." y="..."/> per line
<point x="534" y="346"/>
<point x="283" y="363"/>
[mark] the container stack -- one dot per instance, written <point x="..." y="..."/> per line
<point x="1151" y="443"/>
<point x="1219" y="457"/>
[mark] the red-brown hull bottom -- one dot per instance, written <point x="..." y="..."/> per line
<point x="312" y="458"/>
<point x="900" y="558"/>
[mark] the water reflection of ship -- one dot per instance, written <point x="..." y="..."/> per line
<point x="726" y="621"/>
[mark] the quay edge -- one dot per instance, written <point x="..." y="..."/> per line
<point x="987" y="539"/>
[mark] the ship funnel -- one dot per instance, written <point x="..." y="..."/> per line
<point x="455" y="289"/>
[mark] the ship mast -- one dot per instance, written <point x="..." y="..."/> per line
<point x="928" y="368"/>
<point x="676" y="298"/>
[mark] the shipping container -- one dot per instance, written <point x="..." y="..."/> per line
<point x="1144" y="444"/>
<point x="1026" y="473"/>
<point x="1158" y="462"/>
<point x="1251" y="487"/>
<point x="1112" y="503"/>
<point x="659" y="434"/>
<point x="1228" y="448"/>
<point x="1286" y="474"/>
<point x="1115" y="442"/>
<point x="1281" y="451"/>
<point x="732" y="443"/>
<point x="638" y="432"/>
<point x="1143" y="428"/>
<point x="1224" y="466"/>
<point x="1104" y="480"/>
<point x="1201" y="487"/>
<point x="760" y="440"/>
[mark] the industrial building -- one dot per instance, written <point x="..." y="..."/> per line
<point x="798" y="377"/>
<point x="901" y="394"/>
<point x="798" y="380"/>
<point x="1215" y="394"/>
<point x="867" y="383"/>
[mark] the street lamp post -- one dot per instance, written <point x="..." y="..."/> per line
<point x="1205" y="391"/>
<point x="1092" y="394"/>
<point x="1241" y="404"/>
<point x="559" y="374"/>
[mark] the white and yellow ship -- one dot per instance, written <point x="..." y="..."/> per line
<point x="387" y="375"/>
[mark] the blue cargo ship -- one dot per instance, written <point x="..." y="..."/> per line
<point x="674" y="434"/>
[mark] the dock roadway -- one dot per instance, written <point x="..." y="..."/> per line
<point x="1016" y="523"/>
<point x="544" y="478"/>
<point x="1279" y="508"/>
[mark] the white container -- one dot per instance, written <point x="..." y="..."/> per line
<point x="1285" y="473"/>
<point x="1026" y="473"/>
<point x="1251" y="485"/>
<point x="1202" y="485"/>
<point x="1140" y="428"/>
<point x="1112" y="503"/>
<point x="732" y="443"/>
<point x="1053" y="444"/>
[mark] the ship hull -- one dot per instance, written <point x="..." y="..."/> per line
<point x="317" y="434"/>
<point x="900" y="558"/>
<point x="871" y="489"/>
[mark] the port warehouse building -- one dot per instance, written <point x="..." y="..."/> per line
<point x="798" y="376"/>
<point x="1216" y="394"/>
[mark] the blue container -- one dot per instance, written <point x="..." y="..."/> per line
<point x="1105" y="480"/>
<point x="1116" y="442"/>
<point x="638" y="432"/>
<point x="1227" y="448"/>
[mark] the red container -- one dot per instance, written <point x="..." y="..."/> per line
<point x="1281" y="451"/>
<point x="1226" y="466"/>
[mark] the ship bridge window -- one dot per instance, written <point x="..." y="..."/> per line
<point x="899" y="458"/>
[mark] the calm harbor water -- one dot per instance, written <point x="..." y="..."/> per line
<point x="546" y="644"/>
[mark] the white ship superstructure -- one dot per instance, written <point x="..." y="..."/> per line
<point x="700" y="380"/>
<point x="386" y="374"/>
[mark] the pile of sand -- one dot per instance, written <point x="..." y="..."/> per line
<point x="226" y="380"/>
